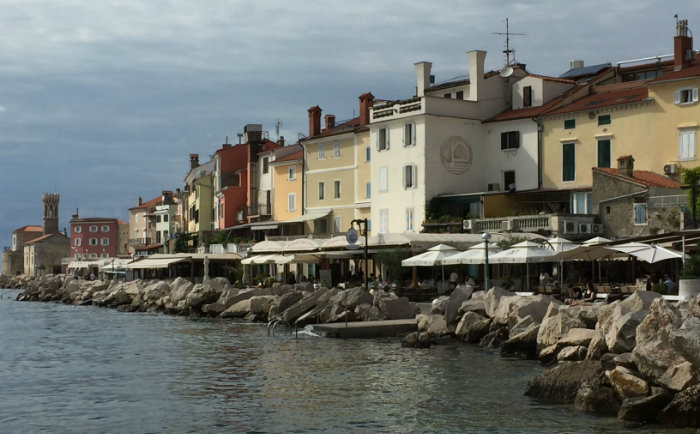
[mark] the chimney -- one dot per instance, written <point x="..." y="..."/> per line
<point x="576" y="64"/>
<point x="366" y="102"/>
<point x="682" y="45"/>
<point x="423" y="77"/>
<point x="140" y="201"/>
<point x="330" y="122"/>
<point x="476" y="60"/>
<point x="314" y="121"/>
<point x="227" y="144"/>
<point x="625" y="166"/>
<point x="253" y="133"/>
<point x="281" y="141"/>
<point x="194" y="161"/>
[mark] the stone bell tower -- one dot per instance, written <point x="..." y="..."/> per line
<point x="50" y="212"/>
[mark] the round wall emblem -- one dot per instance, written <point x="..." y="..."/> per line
<point x="456" y="155"/>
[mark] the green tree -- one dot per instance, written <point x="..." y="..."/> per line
<point x="691" y="178"/>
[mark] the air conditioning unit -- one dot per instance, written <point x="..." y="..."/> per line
<point x="670" y="169"/>
<point x="494" y="187"/>
<point x="598" y="229"/>
<point x="570" y="228"/>
<point x="467" y="225"/>
<point x="585" y="228"/>
<point x="506" y="225"/>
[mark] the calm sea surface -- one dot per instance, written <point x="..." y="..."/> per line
<point x="66" y="369"/>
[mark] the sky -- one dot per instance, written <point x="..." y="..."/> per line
<point x="104" y="101"/>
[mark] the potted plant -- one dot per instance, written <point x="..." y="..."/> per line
<point x="689" y="281"/>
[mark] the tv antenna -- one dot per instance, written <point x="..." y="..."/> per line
<point x="509" y="51"/>
<point x="278" y="124"/>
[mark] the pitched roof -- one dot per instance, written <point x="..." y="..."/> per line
<point x="687" y="72"/>
<point x="44" y="237"/>
<point x="30" y="228"/>
<point x="644" y="177"/>
<point x="153" y="202"/>
<point x="344" y="127"/>
<point x="603" y="97"/>
<point x="288" y="153"/>
<point x="585" y="70"/>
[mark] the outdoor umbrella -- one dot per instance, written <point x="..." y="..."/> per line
<point x="648" y="252"/>
<point x="474" y="255"/>
<point x="560" y="245"/>
<point x="525" y="252"/>
<point x="590" y="250"/>
<point x="432" y="257"/>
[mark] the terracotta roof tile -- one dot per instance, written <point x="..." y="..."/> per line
<point x="602" y="99"/>
<point x="644" y="177"/>
<point x="687" y="72"/>
<point x="30" y="228"/>
<point x="153" y="202"/>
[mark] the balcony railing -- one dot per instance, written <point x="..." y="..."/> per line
<point x="573" y="226"/>
<point x="136" y="242"/>
<point x="260" y="209"/>
<point x="399" y="107"/>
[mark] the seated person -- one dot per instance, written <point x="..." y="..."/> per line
<point x="572" y="294"/>
<point x="588" y="295"/>
<point x="508" y="283"/>
<point x="545" y="279"/>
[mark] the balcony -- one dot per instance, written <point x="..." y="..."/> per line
<point x="571" y="226"/>
<point x="396" y="108"/>
<point x="263" y="209"/>
<point x="139" y="242"/>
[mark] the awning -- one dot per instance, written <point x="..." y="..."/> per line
<point x="76" y="265"/>
<point x="311" y="215"/>
<point x="150" y="263"/>
<point x="264" y="227"/>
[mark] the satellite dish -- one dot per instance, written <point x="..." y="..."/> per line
<point x="506" y="72"/>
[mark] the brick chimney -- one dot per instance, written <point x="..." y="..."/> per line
<point x="366" y="102"/>
<point x="281" y="141"/>
<point x="330" y="122"/>
<point x="194" y="161"/>
<point x="682" y="45"/>
<point x="314" y="121"/>
<point x="140" y="201"/>
<point x="625" y="166"/>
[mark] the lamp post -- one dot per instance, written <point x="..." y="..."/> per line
<point x="363" y="232"/>
<point x="486" y="237"/>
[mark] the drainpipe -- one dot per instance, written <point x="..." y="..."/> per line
<point x="538" y="121"/>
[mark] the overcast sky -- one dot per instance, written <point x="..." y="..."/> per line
<point x="103" y="101"/>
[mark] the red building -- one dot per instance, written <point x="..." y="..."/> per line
<point x="94" y="238"/>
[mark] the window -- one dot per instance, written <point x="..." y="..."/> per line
<point x="409" y="219"/>
<point x="383" y="179"/>
<point x="336" y="189"/>
<point x="687" y="145"/>
<point x="409" y="134"/>
<point x="368" y="190"/>
<point x="236" y="180"/>
<point x="382" y="139"/>
<point x="409" y="176"/>
<point x="265" y="165"/>
<point x="93" y="241"/>
<point x="105" y="241"/>
<point x="165" y="218"/>
<point x="509" y="180"/>
<point x="321" y="190"/>
<point x="604" y="120"/>
<point x="104" y="255"/>
<point x="568" y="162"/>
<point x="640" y="213"/>
<point x="368" y="155"/>
<point x="165" y="235"/>
<point x="291" y="202"/>
<point x="369" y="225"/>
<point x="448" y="95"/>
<point x="336" y="149"/>
<point x="78" y="229"/>
<point x="581" y="202"/>
<point x="78" y="242"/>
<point x="383" y="220"/>
<point x="292" y="173"/>
<point x="158" y="219"/>
<point x="460" y="94"/>
<point x="93" y="228"/>
<point x="337" y="224"/>
<point x="527" y="96"/>
<point x="604" y="153"/>
<point x="570" y="124"/>
<point x="321" y="151"/>
<point x="685" y="96"/>
<point x="93" y="255"/>
<point x="510" y="140"/>
<point x="105" y="228"/>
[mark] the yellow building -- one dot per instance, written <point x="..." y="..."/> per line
<point x="287" y="191"/>
<point x="336" y="175"/>
<point x="199" y="196"/>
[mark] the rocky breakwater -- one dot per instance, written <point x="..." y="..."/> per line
<point x="217" y="298"/>
<point x="637" y="359"/>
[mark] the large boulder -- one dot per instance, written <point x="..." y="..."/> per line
<point x="398" y="308"/>
<point x="472" y="327"/>
<point x="435" y="325"/>
<point x="627" y="384"/>
<point x="417" y="340"/>
<point x="524" y="344"/>
<point x="439" y="305"/>
<point x="679" y="377"/>
<point x="237" y="310"/>
<point x="556" y="324"/>
<point x="535" y="306"/>
<point x="473" y="305"/>
<point x="202" y="293"/>
<point x="597" y="396"/>
<point x="368" y="312"/>
<point x="639" y="300"/>
<point x="350" y="298"/>
<point x="654" y="356"/>
<point x="261" y="304"/>
<point x="284" y="302"/>
<point x="179" y="288"/>
<point x="572" y="353"/>
<point x="492" y="299"/>
<point x="686" y="340"/>
<point x="644" y="409"/>
<point x="577" y="336"/>
<point x="561" y="383"/>
<point x="622" y="334"/>
<point x="459" y="295"/>
<point x="597" y="347"/>
<point x="662" y="318"/>
<point x="683" y="410"/>
<point x="155" y="290"/>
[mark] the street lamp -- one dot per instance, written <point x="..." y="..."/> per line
<point x="486" y="237"/>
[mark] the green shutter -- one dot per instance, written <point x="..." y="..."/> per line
<point x="569" y="162"/>
<point x="603" y="153"/>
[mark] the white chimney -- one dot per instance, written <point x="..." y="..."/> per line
<point x="476" y="60"/>
<point x="423" y="77"/>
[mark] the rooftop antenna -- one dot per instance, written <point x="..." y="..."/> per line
<point x="508" y="51"/>
<point x="278" y="124"/>
<point x="240" y="138"/>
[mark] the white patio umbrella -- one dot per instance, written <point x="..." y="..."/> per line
<point x="648" y="252"/>
<point x="590" y="250"/>
<point x="525" y="252"/>
<point x="432" y="257"/>
<point x="476" y="254"/>
<point x="559" y="245"/>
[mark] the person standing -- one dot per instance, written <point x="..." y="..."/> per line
<point x="670" y="285"/>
